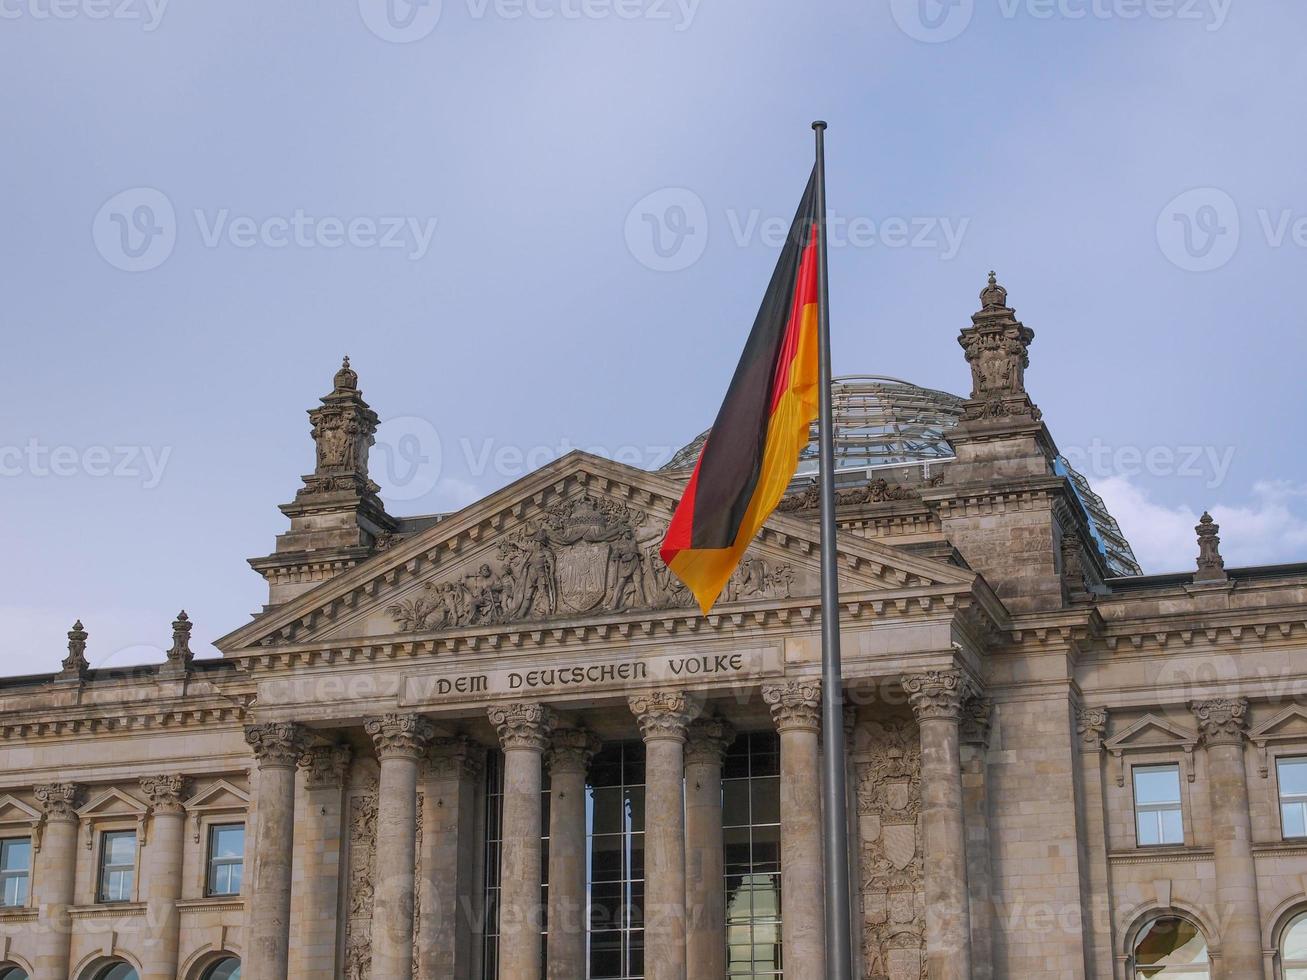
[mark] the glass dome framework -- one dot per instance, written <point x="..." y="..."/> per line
<point x="882" y="421"/>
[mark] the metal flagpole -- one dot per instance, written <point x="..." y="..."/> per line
<point x="839" y="951"/>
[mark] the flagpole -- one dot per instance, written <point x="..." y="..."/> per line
<point x="838" y="941"/>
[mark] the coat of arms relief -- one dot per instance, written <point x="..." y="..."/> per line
<point x="584" y="556"/>
<point x="890" y="852"/>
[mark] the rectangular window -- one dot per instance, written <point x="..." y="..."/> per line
<point x="1157" y="805"/>
<point x="226" y="858"/>
<point x="1293" y="796"/>
<point x="117" y="865"/>
<point x="15" y="870"/>
<point x="751" y="818"/>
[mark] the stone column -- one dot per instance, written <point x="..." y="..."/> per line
<point x="796" y="711"/>
<point x="1222" y="723"/>
<point x="663" y="717"/>
<point x="55" y="878"/>
<point x="449" y="860"/>
<point x="401" y="741"/>
<point x="974" y="733"/>
<point x="936" y="698"/>
<point x="524" y="730"/>
<point x="316" y="906"/>
<point x="162" y="876"/>
<point x="568" y="759"/>
<point x="705" y="889"/>
<point x="277" y="748"/>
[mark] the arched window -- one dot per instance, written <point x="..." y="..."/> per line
<point x="225" y="969"/>
<point x="118" y="971"/>
<point x="8" y="972"/>
<point x="1293" y="949"/>
<point x="1171" y="948"/>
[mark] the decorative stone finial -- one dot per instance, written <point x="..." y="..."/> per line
<point x="346" y="378"/>
<point x="996" y="345"/>
<point x="993" y="296"/>
<point x="76" y="664"/>
<point x="344" y="427"/>
<point x="179" y="654"/>
<point x="1211" y="566"/>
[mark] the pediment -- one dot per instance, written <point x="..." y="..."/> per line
<point x="1291" y="723"/>
<point x="14" y="810"/>
<point x="222" y="795"/>
<point x="1152" y="732"/>
<point x="575" y="540"/>
<point x="112" y="802"/>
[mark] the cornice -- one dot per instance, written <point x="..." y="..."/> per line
<point x="115" y="718"/>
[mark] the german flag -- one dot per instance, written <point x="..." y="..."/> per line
<point x="753" y="448"/>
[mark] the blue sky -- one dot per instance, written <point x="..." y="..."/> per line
<point x="206" y="205"/>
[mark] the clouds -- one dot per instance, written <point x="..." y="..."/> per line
<point x="1269" y="528"/>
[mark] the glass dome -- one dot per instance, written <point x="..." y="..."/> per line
<point x="882" y="421"/>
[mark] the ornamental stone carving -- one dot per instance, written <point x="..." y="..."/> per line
<point x="662" y="714"/>
<point x="325" y="766"/>
<point x="1091" y="725"/>
<point x="76" y="664"/>
<point x="58" y="801"/>
<point x="179" y="654"/>
<point x="1211" y="566"/>
<point x="937" y="693"/>
<point x="1222" y="720"/>
<point x="277" y="744"/>
<point x="523" y="725"/>
<point x="795" y="705"/>
<point x="400" y="736"/>
<point x="164" y="792"/>
<point x="996" y="346"/>
<point x="585" y="555"/>
<point x="876" y="492"/>
<point x="707" y="740"/>
<point x="457" y="758"/>
<point x="571" y="750"/>
<point x="977" y="715"/>
<point x="344" y="429"/>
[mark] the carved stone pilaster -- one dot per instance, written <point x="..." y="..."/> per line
<point x="1091" y="726"/>
<point x="977" y="715"/>
<point x="571" y="750"/>
<point x="1222" y="720"/>
<point x="795" y="705"/>
<point x="75" y="665"/>
<point x="58" y="801"/>
<point x="662" y="714"/>
<point x="707" y="740"/>
<point x="400" y="736"/>
<point x="457" y="758"/>
<point x="164" y="792"/>
<point x="937" y="693"/>
<point x="277" y="744"/>
<point x="1211" y="566"/>
<point x="325" y="766"/>
<point x="523" y="725"/>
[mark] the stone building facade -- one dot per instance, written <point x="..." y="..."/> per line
<point x="503" y="742"/>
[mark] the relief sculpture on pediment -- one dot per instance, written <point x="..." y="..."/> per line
<point x="890" y="853"/>
<point x="585" y="555"/>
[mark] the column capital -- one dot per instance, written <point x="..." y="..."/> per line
<point x="325" y="765"/>
<point x="977" y="714"/>
<point x="661" y="714"/>
<point x="277" y="745"/>
<point x="1221" y="720"/>
<point x="57" y="800"/>
<point x="937" y="693"/>
<point x="457" y="758"/>
<point x="523" y="725"/>
<point x="795" y="705"/>
<point x="400" y="736"/>
<point x="707" y="740"/>
<point x="572" y="749"/>
<point x="1091" y="726"/>
<point x="164" y="792"/>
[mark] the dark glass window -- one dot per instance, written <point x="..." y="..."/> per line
<point x="226" y="858"/>
<point x="225" y="969"/>
<point x="615" y="862"/>
<point x="117" y="868"/>
<point x="1171" y="947"/>
<point x="15" y="871"/>
<point x="118" y="971"/>
<point x="751" y="818"/>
